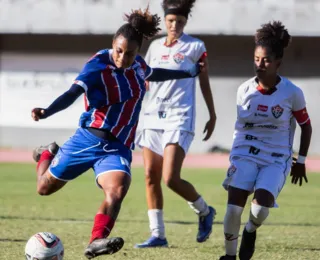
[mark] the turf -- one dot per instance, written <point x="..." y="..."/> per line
<point x="291" y="232"/>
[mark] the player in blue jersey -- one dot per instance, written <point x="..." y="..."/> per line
<point x="113" y="82"/>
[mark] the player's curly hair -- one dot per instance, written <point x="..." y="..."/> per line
<point x="185" y="5"/>
<point x="274" y="36"/>
<point x="140" y="25"/>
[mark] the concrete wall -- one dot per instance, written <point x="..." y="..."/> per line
<point x="230" y="64"/>
<point x="228" y="17"/>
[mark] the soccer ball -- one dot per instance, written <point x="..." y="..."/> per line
<point x="44" y="246"/>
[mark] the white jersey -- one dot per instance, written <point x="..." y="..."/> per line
<point x="171" y="104"/>
<point x="266" y="122"/>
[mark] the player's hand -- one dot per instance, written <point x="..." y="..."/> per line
<point x="209" y="127"/>
<point x="298" y="172"/>
<point x="38" y="113"/>
<point x="196" y="69"/>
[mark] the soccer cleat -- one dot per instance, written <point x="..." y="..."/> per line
<point x="153" y="242"/>
<point x="247" y="245"/>
<point x="104" y="246"/>
<point x="52" y="148"/>
<point x="228" y="257"/>
<point x="205" y="225"/>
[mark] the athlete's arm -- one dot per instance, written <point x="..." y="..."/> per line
<point x="303" y="120"/>
<point x="159" y="74"/>
<point x="207" y="95"/>
<point x="61" y="103"/>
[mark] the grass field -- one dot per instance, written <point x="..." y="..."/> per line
<point x="291" y="232"/>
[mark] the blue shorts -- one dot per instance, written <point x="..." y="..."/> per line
<point x="84" y="151"/>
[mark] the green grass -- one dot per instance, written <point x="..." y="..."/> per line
<point x="291" y="232"/>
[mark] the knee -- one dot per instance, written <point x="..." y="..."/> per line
<point x="264" y="198"/>
<point x="153" y="176"/>
<point x="258" y="214"/>
<point x="115" y="194"/>
<point x="233" y="213"/>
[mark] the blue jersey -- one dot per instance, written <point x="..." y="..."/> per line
<point x="113" y="96"/>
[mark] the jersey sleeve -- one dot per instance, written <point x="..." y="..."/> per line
<point x="299" y="109"/>
<point x="200" y="51"/>
<point x="90" y="73"/>
<point x="145" y="67"/>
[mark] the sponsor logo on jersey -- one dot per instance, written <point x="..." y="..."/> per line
<point x="262" y="108"/>
<point x="277" y="111"/>
<point x="160" y="100"/>
<point x="162" y="114"/>
<point x="278" y="155"/>
<point x="178" y="58"/>
<point x="259" y="114"/>
<point x="251" y="125"/>
<point x="251" y="137"/>
<point x="165" y="57"/>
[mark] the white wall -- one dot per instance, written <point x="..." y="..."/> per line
<point x="232" y="17"/>
<point x="21" y="89"/>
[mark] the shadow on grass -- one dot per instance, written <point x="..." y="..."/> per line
<point x="178" y="222"/>
<point x="12" y="240"/>
<point x="303" y="249"/>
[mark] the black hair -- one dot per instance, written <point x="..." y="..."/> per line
<point x="274" y="36"/>
<point x="140" y="25"/>
<point x="179" y="7"/>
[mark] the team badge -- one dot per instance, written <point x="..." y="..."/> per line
<point x="178" y="58"/>
<point x="55" y="160"/>
<point x="277" y="111"/>
<point x="232" y="169"/>
<point x="141" y="73"/>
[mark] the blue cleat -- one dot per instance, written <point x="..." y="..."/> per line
<point x="205" y="225"/>
<point x="153" y="242"/>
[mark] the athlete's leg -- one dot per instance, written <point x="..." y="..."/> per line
<point x="46" y="183"/>
<point x="152" y="155"/>
<point x="239" y="182"/>
<point x="270" y="180"/>
<point x="115" y="185"/>
<point x="174" y="155"/>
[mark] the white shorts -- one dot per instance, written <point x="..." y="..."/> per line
<point x="156" y="140"/>
<point x="247" y="174"/>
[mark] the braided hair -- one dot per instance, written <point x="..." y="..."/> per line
<point x="140" y="25"/>
<point x="273" y="36"/>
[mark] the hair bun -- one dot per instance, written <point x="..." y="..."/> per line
<point x="274" y="33"/>
<point x="144" y="22"/>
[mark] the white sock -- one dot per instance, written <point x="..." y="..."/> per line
<point x="156" y="223"/>
<point x="232" y="222"/>
<point x="200" y="207"/>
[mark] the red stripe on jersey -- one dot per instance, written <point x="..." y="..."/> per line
<point x="133" y="83"/>
<point x="132" y="134"/>
<point x="112" y="88"/>
<point x="99" y="116"/>
<point x="302" y="116"/>
<point x="125" y="116"/>
<point x="203" y="56"/>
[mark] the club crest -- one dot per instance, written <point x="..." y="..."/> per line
<point x="276" y="111"/>
<point x="178" y="58"/>
<point x="232" y="169"/>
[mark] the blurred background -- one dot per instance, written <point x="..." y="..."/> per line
<point x="44" y="44"/>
